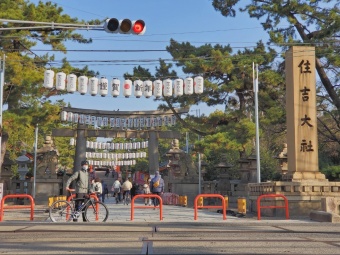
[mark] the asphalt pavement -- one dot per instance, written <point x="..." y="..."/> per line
<point x="177" y="233"/>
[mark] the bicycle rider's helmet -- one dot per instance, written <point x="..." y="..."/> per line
<point x="84" y="162"/>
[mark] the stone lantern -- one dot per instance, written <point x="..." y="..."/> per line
<point x="174" y="156"/>
<point x="224" y="177"/>
<point x="22" y="161"/>
<point x="283" y="159"/>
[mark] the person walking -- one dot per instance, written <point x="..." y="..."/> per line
<point x="105" y="191"/>
<point x="157" y="187"/>
<point x="116" y="188"/>
<point x="97" y="188"/>
<point x="146" y="190"/>
<point x="82" y="186"/>
<point x="126" y="187"/>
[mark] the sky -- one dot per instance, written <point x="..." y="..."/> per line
<point x="193" y="21"/>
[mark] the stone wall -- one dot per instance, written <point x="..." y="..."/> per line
<point x="303" y="196"/>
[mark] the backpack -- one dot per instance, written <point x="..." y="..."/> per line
<point x="96" y="188"/>
<point x="156" y="184"/>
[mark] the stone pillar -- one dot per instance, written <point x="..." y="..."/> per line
<point x="302" y="140"/>
<point x="153" y="153"/>
<point x="80" y="153"/>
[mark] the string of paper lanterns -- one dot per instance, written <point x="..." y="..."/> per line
<point x="119" y="122"/>
<point x="117" y="146"/>
<point x="112" y="163"/>
<point x="94" y="86"/>
<point x="115" y="156"/>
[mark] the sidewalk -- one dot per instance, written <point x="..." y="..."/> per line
<point x="171" y="213"/>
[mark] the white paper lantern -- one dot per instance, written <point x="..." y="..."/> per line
<point x="87" y="154"/>
<point x="147" y="88"/>
<point x="138" y="145"/>
<point x="82" y="84"/>
<point x="127" y="88"/>
<point x="48" y="79"/>
<point x="81" y="118"/>
<point x="157" y="88"/>
<point x="87" y="144"/>
<point x="93" y="85"/>
<point x="99" y="121"/>
<point x="115" y="87"/>
<point x="88" y="119"/>
<point x="91" y="162"/>
<point x="71" y="83"/>
<point x="138" y="88"/>
<point x="167" y="87"/>
<point x="91" y="145"/>
<point x="93" y="120"/>
<point x="75" y="117"/>
<point x="126" y="155"/>
<point x="63" y="116"/>
<point x="103" y="86"/>
<point x="134" y="146"/>
<point x="105" y="121"/>
<point x="118" y="122"/>
<point x="95" y="145"/>
<point x="123" y="123"/>
<point x="70" y="116"/>
<point x="199" y="84"/>
<point x="72" y="141"/>
<point x="188" y="86"/>
<point x="137" y="154"/>
<point x="60" y="81"/>
<point x="112" y="122"/>
<point x="116" y="146"/>
<point x="178" y="87"/>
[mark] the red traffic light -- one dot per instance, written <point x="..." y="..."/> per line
<point x="138" y="27"/>
<point x="124" y="26"/>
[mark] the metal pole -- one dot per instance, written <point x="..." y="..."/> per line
<point x="199" y="162"/>
<point x="35" y="160"/>
<point x="2" y="83"/>
<point x="187" y="142"/>
<point x="258" y="172"/>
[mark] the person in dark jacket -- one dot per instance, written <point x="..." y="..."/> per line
<point x="157" y="187"/>
<point x="82" y="185"/>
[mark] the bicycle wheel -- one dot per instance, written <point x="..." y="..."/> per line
<point x="96" y="212"/>
<point x="61" y="211"/>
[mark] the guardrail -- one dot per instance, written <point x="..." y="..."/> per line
<point x="147" y="206"/>
<point x="17" y="206"/>
<point x="223" y="206"/>
<point x="259" y="207"/>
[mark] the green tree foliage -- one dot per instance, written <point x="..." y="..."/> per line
<point x="313" y="23"/>
<point x="26" y="100"/>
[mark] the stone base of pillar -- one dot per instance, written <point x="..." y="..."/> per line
<point x="302" y="176"/>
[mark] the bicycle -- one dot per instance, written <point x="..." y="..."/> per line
<point x="65" y="211"/>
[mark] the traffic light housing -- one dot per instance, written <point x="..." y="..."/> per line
<point x="125" y="26"/>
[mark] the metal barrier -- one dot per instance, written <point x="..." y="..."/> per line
<point x="17" y="206"/>
<point x="173" y="199"/>
<point x="258" y="201"/>
<point x="223" y="207"/>
<point x="147" y="206"/>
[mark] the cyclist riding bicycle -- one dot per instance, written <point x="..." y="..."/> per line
<point x="82" y="186"/>
<point x="126" y="187"/>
